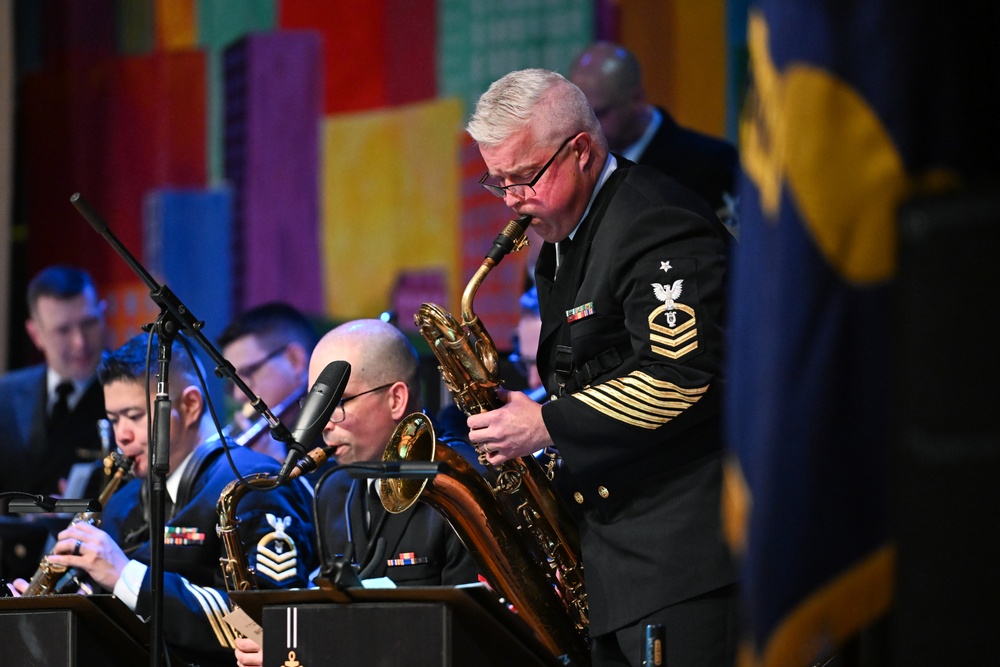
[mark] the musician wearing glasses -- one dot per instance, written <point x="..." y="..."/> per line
<point x="415" y="548"/>
<point x="269" y="346"/>
<point x="630" y="287"/>
<point x="276" y="526"/>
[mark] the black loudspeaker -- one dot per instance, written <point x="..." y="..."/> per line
<point x="945" y="509"/>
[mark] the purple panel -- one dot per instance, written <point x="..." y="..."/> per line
<point x="274" y="94"/>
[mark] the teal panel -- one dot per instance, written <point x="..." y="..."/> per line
<point x="480" y="40"/>
<point x="220" y="23"/>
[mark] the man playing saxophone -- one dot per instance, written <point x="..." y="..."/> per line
<point x="415" y="548"/>
<point x="116" y="555"/>
<point x="630" y="285"/>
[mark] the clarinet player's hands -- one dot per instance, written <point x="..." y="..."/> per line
<point x="90" y="549"/>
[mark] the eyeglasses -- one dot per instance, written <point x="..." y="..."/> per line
<point x="339" y="414"/>
<point x="522" y="190"/>
<point x="250" y="370"/>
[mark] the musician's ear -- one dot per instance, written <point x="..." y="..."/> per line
<point x="297" y="357"/>
<point x="399" y="400"/>
<point x="190" y="405"/>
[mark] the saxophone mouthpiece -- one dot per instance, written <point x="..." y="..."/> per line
<point x="510" y="239"/>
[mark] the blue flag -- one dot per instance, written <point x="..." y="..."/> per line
<point x="854" y="107"/>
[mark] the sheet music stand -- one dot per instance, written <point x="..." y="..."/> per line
<point x="72" y="630"/>
<point x="426" y="627"/>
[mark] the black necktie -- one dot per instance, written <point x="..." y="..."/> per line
<point x="60" y="410"/>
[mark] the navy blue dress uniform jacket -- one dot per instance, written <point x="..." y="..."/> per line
<point x="632" y="337"/>
<point x="421" y="547"/>
<point x="275" y="527"/>
<point x="29" y="461"/>
<point x="703" y="163"/>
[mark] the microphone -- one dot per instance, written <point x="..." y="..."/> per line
<point x="399" y="469"/>
<point x="316" y="411"/>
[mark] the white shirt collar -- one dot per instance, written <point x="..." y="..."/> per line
<point x="609" y="167"/>
<point x="635" y="151"/>
<point x="174" y="478"/>
<point x="52" y="380"/>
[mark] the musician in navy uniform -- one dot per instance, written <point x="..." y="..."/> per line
<point x="630" y="286"/>
<point x="417" y="547"/>
<point x="269" y="346"/>
<point x="51" y="410"/>
<point x="275" y="527"/>
<point x="611" y="78"/>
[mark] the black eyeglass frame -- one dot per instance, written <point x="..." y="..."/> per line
<point x="250" y="370"/>
<point x="501" y="190"/>
<point x="334" y="419"/>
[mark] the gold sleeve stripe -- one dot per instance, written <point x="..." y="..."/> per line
<point x="214" y="608"/>
<point x="640" y="400"/>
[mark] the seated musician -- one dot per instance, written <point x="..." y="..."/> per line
<point x="116" y="555"/>
<point x="269" y="346"/>
<point x="418" y="547"/>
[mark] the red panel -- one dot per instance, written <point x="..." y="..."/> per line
<point x="354" y="53"/>
<point x="411" y="51"/>
<point x="111" y="130"/>
<point x="483" y="216"/>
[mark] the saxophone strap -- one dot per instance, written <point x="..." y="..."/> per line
<point x="201" y="458"/>
<point x="571" y="381"/>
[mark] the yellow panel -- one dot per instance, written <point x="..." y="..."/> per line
<point x="682" y="47"/>
<point x="175" y="24"/>
<point x="390" y="202"/>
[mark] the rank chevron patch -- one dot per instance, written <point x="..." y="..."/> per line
<point x="640" y="399"/>
<point x="673" y="342"/>
<point x="277" y="555"/>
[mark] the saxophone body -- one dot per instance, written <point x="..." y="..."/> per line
<point x="47" y="579"/>
<point x="513" y="523"/>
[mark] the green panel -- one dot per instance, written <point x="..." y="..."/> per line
<point x="481" y="40"/>
<point x="136" y="27"/>
<point x="220" y="23"/>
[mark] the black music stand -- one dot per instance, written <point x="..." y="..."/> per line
<point x="425" y="627"/>
<point x="72" y="630"/>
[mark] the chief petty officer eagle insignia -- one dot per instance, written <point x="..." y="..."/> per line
<point x="667" y="295"/>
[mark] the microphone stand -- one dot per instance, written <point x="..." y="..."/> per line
<point x="174" y="317"/>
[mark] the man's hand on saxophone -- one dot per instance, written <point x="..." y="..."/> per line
<point x="511" y="431"/>
<point x="92" y="550"/>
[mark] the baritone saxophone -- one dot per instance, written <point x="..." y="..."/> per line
<point x="510" y="520"/>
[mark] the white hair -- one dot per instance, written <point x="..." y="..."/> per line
<point x="554" y="107"/>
